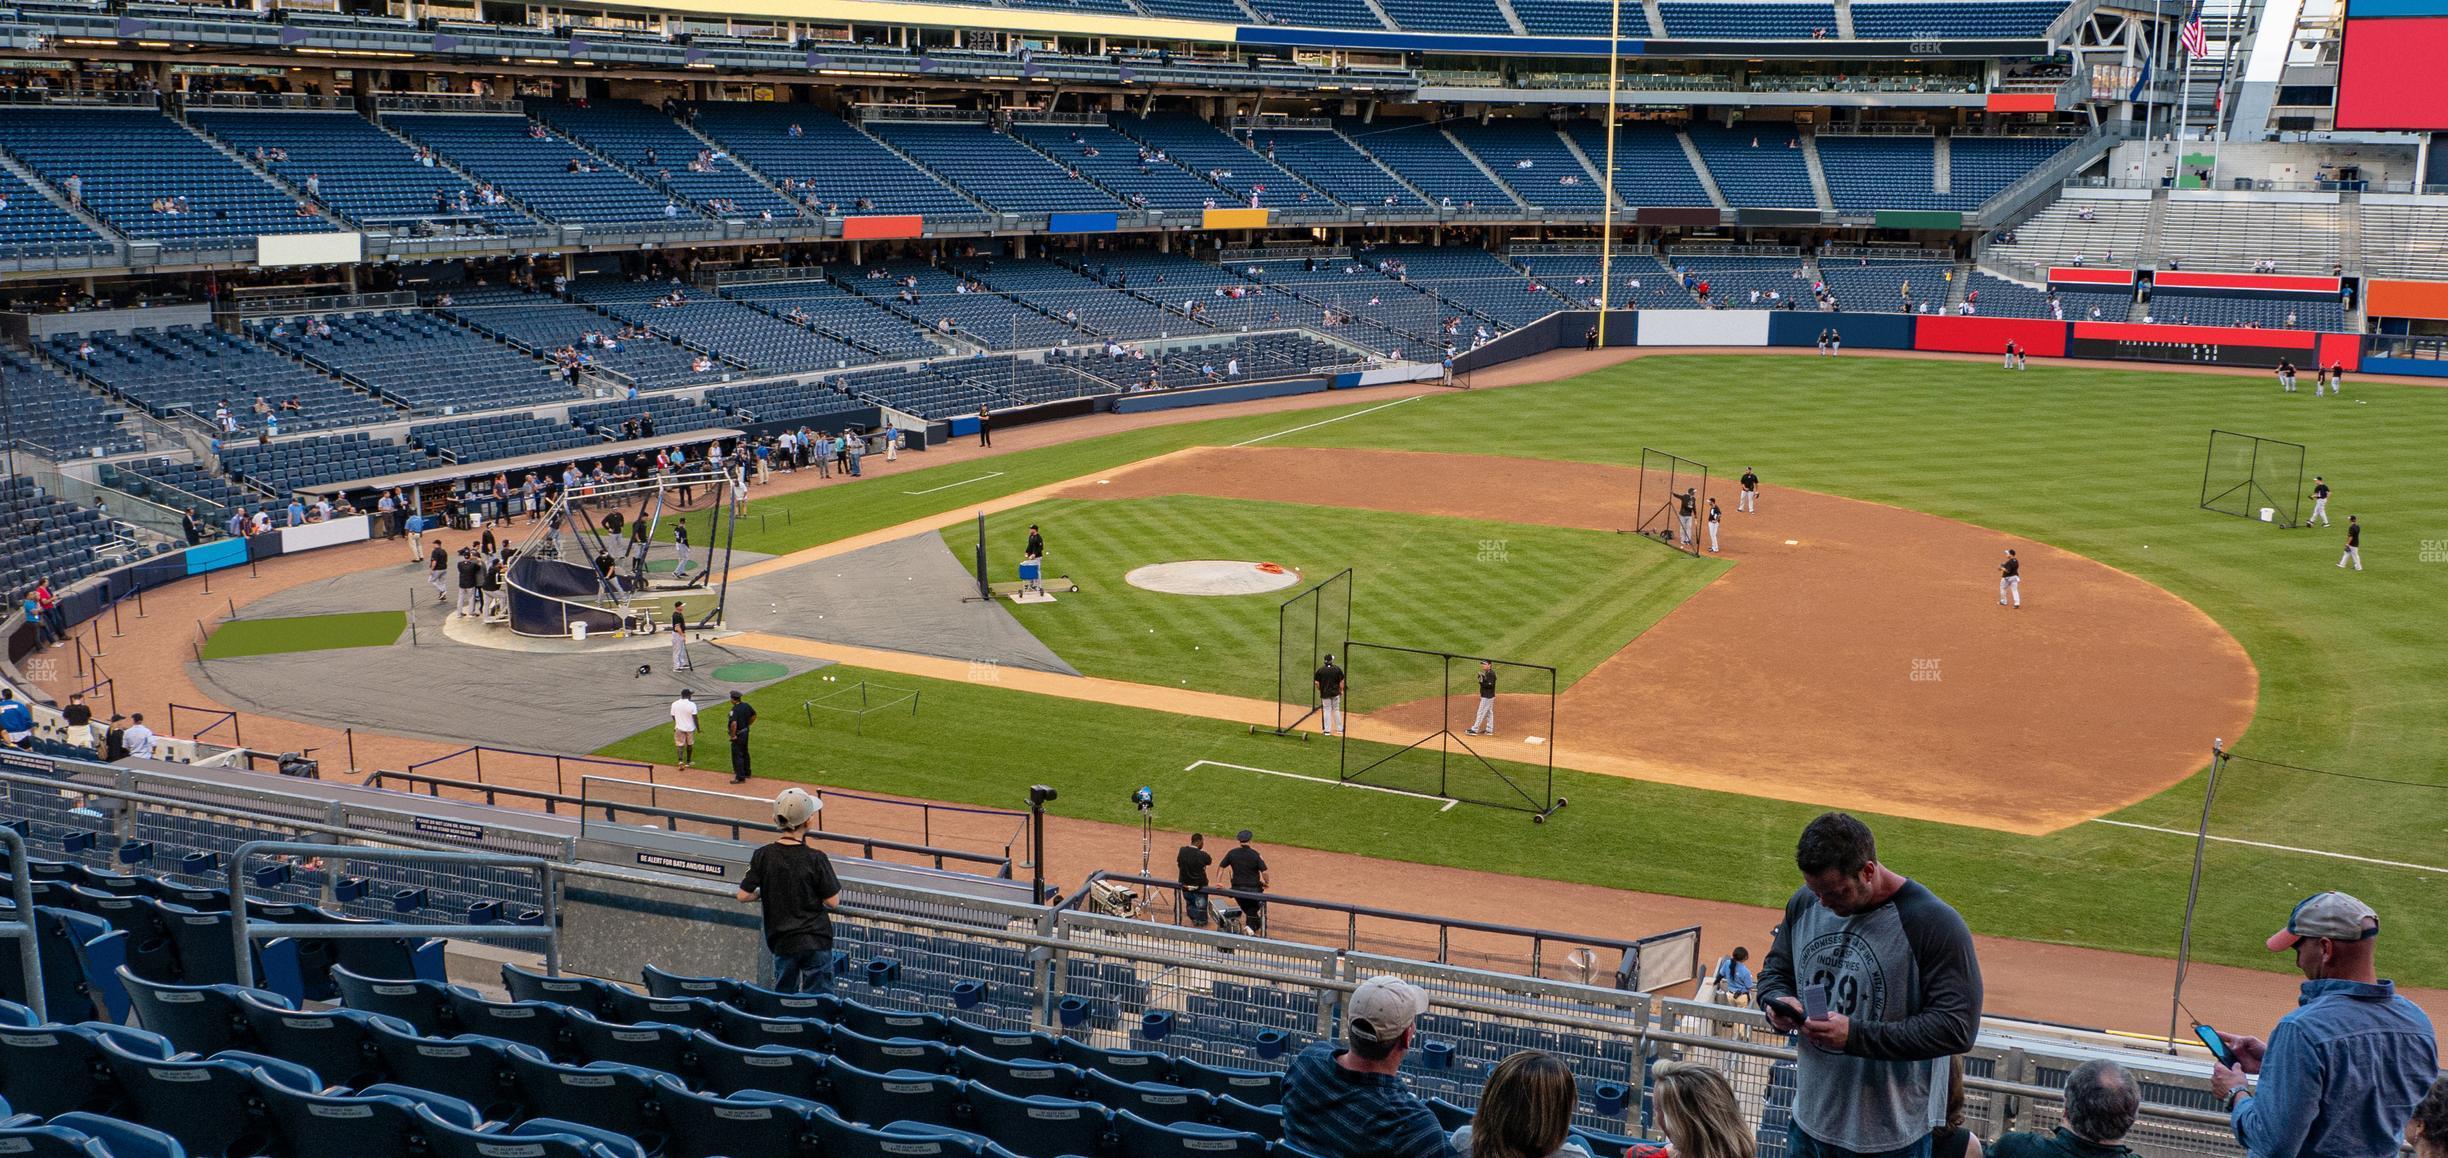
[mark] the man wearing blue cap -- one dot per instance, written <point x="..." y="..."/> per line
<point x="2340" y="1076"/>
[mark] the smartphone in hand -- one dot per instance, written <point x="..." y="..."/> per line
<point x="1790" y="1008"/>
<point x="2217" y="1045"/>
<point x="1814" y="1002"/>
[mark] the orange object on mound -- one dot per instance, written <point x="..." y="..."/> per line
<point x="1271" y="568"/>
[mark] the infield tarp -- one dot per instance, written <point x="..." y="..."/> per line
<point x="1704" y="327"/>
<point x="215" y="556"/>
<point x="1989" y="335"/>
<point x="1860" y="331"/>
<point x="330" y="533"/>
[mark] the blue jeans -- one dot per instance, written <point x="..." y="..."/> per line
<point x="1194" y="907"/>
<point x="808" y="972"/>
<point x="1801" y="1145"/>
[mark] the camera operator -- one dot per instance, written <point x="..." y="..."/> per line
<point x="1192" y="861"/>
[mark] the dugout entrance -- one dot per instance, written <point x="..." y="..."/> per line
<point x="1429" y="702"/>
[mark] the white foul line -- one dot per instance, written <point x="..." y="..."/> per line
<point x="1448" y="805"/>
<point x="961" y="483"/>
<point x="1315" y="425"/>
<point x="2278" y="847"/>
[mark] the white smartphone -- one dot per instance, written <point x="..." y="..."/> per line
<point x="1814" y="1002"/>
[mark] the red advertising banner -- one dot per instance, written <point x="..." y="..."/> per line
<point x="2087" y="275"/>
<point x="881" y="228"/>
<point x="2022" y="102"/>
<point x="1989" y="335"/>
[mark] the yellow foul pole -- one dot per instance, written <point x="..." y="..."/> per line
<point x="1606" y="239"/>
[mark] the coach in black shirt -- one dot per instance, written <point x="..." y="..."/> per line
<point x="1249" y="875"/>
<point x="1191" y="863"/>
<point x="743" y="715"/>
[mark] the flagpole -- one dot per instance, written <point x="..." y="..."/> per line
<point x="2149" y="49"/>
<point x="2218" y="100"/>
<point x="2184" y="113"/>
<point x="1606" y="182"/>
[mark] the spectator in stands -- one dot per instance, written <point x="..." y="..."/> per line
<point x="1695" y="1109"/>
<point x="74" y="186"/>
<point x="1351" y="1102"/>
<point x="52" y="617"/>
<point x="798" y="889"/>
<point x="138" y="739"/>
<point x="2101" y="1103"/>
<point x="1866" y="1068"/>
<point x="1525" y="1111"/>
<point x="1190" y="870"/>
<point x="16" y="720"/>
<point x="1248" y="872"/>
<point x="77" y="719"/>
<point x="1733" y="977"/>
<point x="2429" y="1130"/>
<point x="34" y="616"/>
<point x="2341" y="1074"/>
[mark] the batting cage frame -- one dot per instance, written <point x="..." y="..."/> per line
<point x="1442" y="762"/>
<point x="1671" y="474"/>
<point x="2251" y="463"/>
<point x="1305" y="626"/>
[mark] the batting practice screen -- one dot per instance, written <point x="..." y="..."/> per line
<point x="1307" y="627"/>
<point x="1447" y="744"/>
<point x="2246" y="474"/>
<point x="1664" y="479"/>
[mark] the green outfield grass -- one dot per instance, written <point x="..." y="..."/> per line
<point x="305" y="633"/>
<point x="1560" y="597"/>
<point x="2102" y="462"/>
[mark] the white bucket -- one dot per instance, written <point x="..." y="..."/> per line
<point x="578" y="631"/>
<point x="2269" y="514"/>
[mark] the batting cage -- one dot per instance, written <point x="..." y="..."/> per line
<point x="1307" y="627"/>
<point x="1666" y="482"/>
<point x="2247" y="475"/>
<point x="1450" y="742"/>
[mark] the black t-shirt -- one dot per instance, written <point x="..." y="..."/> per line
<point x="1750" y="481"/>
<point x="1487" y="683"/>
<point x="1192" y="863"/>
<point x="437" y="560"/>
<point x="77" y="715"/>
<point x="2011" y="567"/>
<point x="1330" y="680"/>
<point x="1690" y="504"/>
<point x="1244" y="863"/>
<point x="742" y="715"/>
<point x="1036" y="545"/>
<point x="2320" y="490"/>
<point x="679" y="619"/>
<point x="471" y="572"/>
<point x="792" y="882"/>
<point x="2354" y="534"/>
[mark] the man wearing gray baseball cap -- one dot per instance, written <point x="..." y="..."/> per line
<point x="1351" y="1102"/>
<point x="2340" y="1076"/>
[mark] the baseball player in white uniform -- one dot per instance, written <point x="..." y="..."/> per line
<point x="1748" y="500"/>
<point x="1689" y="505"/>
<point x="2320" y="502"/>
<point x="1713" y="515"/>
<point x="2354" y="544"/>
<point x="2010" y="581"/>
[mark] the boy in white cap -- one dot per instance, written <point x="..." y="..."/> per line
<point x="798" y="889"/>
<point x="1352" y="1102"/>
<point x="2343" y="1071"/>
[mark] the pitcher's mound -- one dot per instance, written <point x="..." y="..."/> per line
<point x="1212" y="577"/>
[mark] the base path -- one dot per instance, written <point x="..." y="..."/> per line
<point x="1856" y="655"/>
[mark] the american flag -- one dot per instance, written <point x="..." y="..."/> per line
<point x="2195" y="43"/>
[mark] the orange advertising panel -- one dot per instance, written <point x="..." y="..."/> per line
<point x="1234" y="219"/>
<point x="2406" y="299"/>
<point x="880" y="228"/>
<point x="2022" y="102"/>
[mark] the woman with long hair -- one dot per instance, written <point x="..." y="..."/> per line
<point x="1525" y="1111"/>
<point x="1694" y="1107"/>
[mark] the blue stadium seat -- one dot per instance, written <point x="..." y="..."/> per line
<point x="546" y="174"/>
<point x="881" y="1054"/>
<point x="748" y="1030"/>
<point x="81" y="1135"/>
<point x="1747" y="19"/>
<point x="1953" y="19"/>
<point x="577" y="993"/>
<point x="828" y="164"/>
<point x="530" y="1023"/>
<point x="1256" y="1087"/>
<point x="774" y="1069"/>
<point x="722" y="989"/>
<point x="472" y="1069"/>
<point x="704" y="1126"/>
<point x="1039" y="1126"/>
<point x="1017" y="1076"/>
<point x="378" y="1121"/>
<point x="129" y="159"/>
<point x="1234" y="1114"/>
<point x="1158" y="1102"/>
<point x="424" y="1005"/>
<point x="1141" y="1138"/>
<point x="199" y="1019"/>
<point x="209" y="1104"/>
<point x="878" y="1098"/>
<point x="539" y="1138"/>
<point x="363" y="173"/>
<point x="630" y="1007"/>
<point x="337" y="1044"/>
<point x="605" y="1094"/>
<point x="59" y="1068"/>
<point x="1013" y="1045"/>
<point x="647" y="1044"/>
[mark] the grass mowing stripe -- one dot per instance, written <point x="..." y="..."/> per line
<point x="240" y="637"/>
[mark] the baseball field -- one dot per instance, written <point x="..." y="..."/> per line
<point x="2042" y="769"/>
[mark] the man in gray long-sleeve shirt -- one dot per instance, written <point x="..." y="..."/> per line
<point x="1902" y="991"/>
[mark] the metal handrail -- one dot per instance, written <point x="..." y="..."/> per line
<point x="23" y="930"/>
<point x="244" y="929"/>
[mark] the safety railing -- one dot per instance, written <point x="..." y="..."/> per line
<point x="609" y="799"/>
<point x="475" y="754"/>
<point x="20" y="927"/>
<point x="218" y="717"/>
<point x="244" y="928"/>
